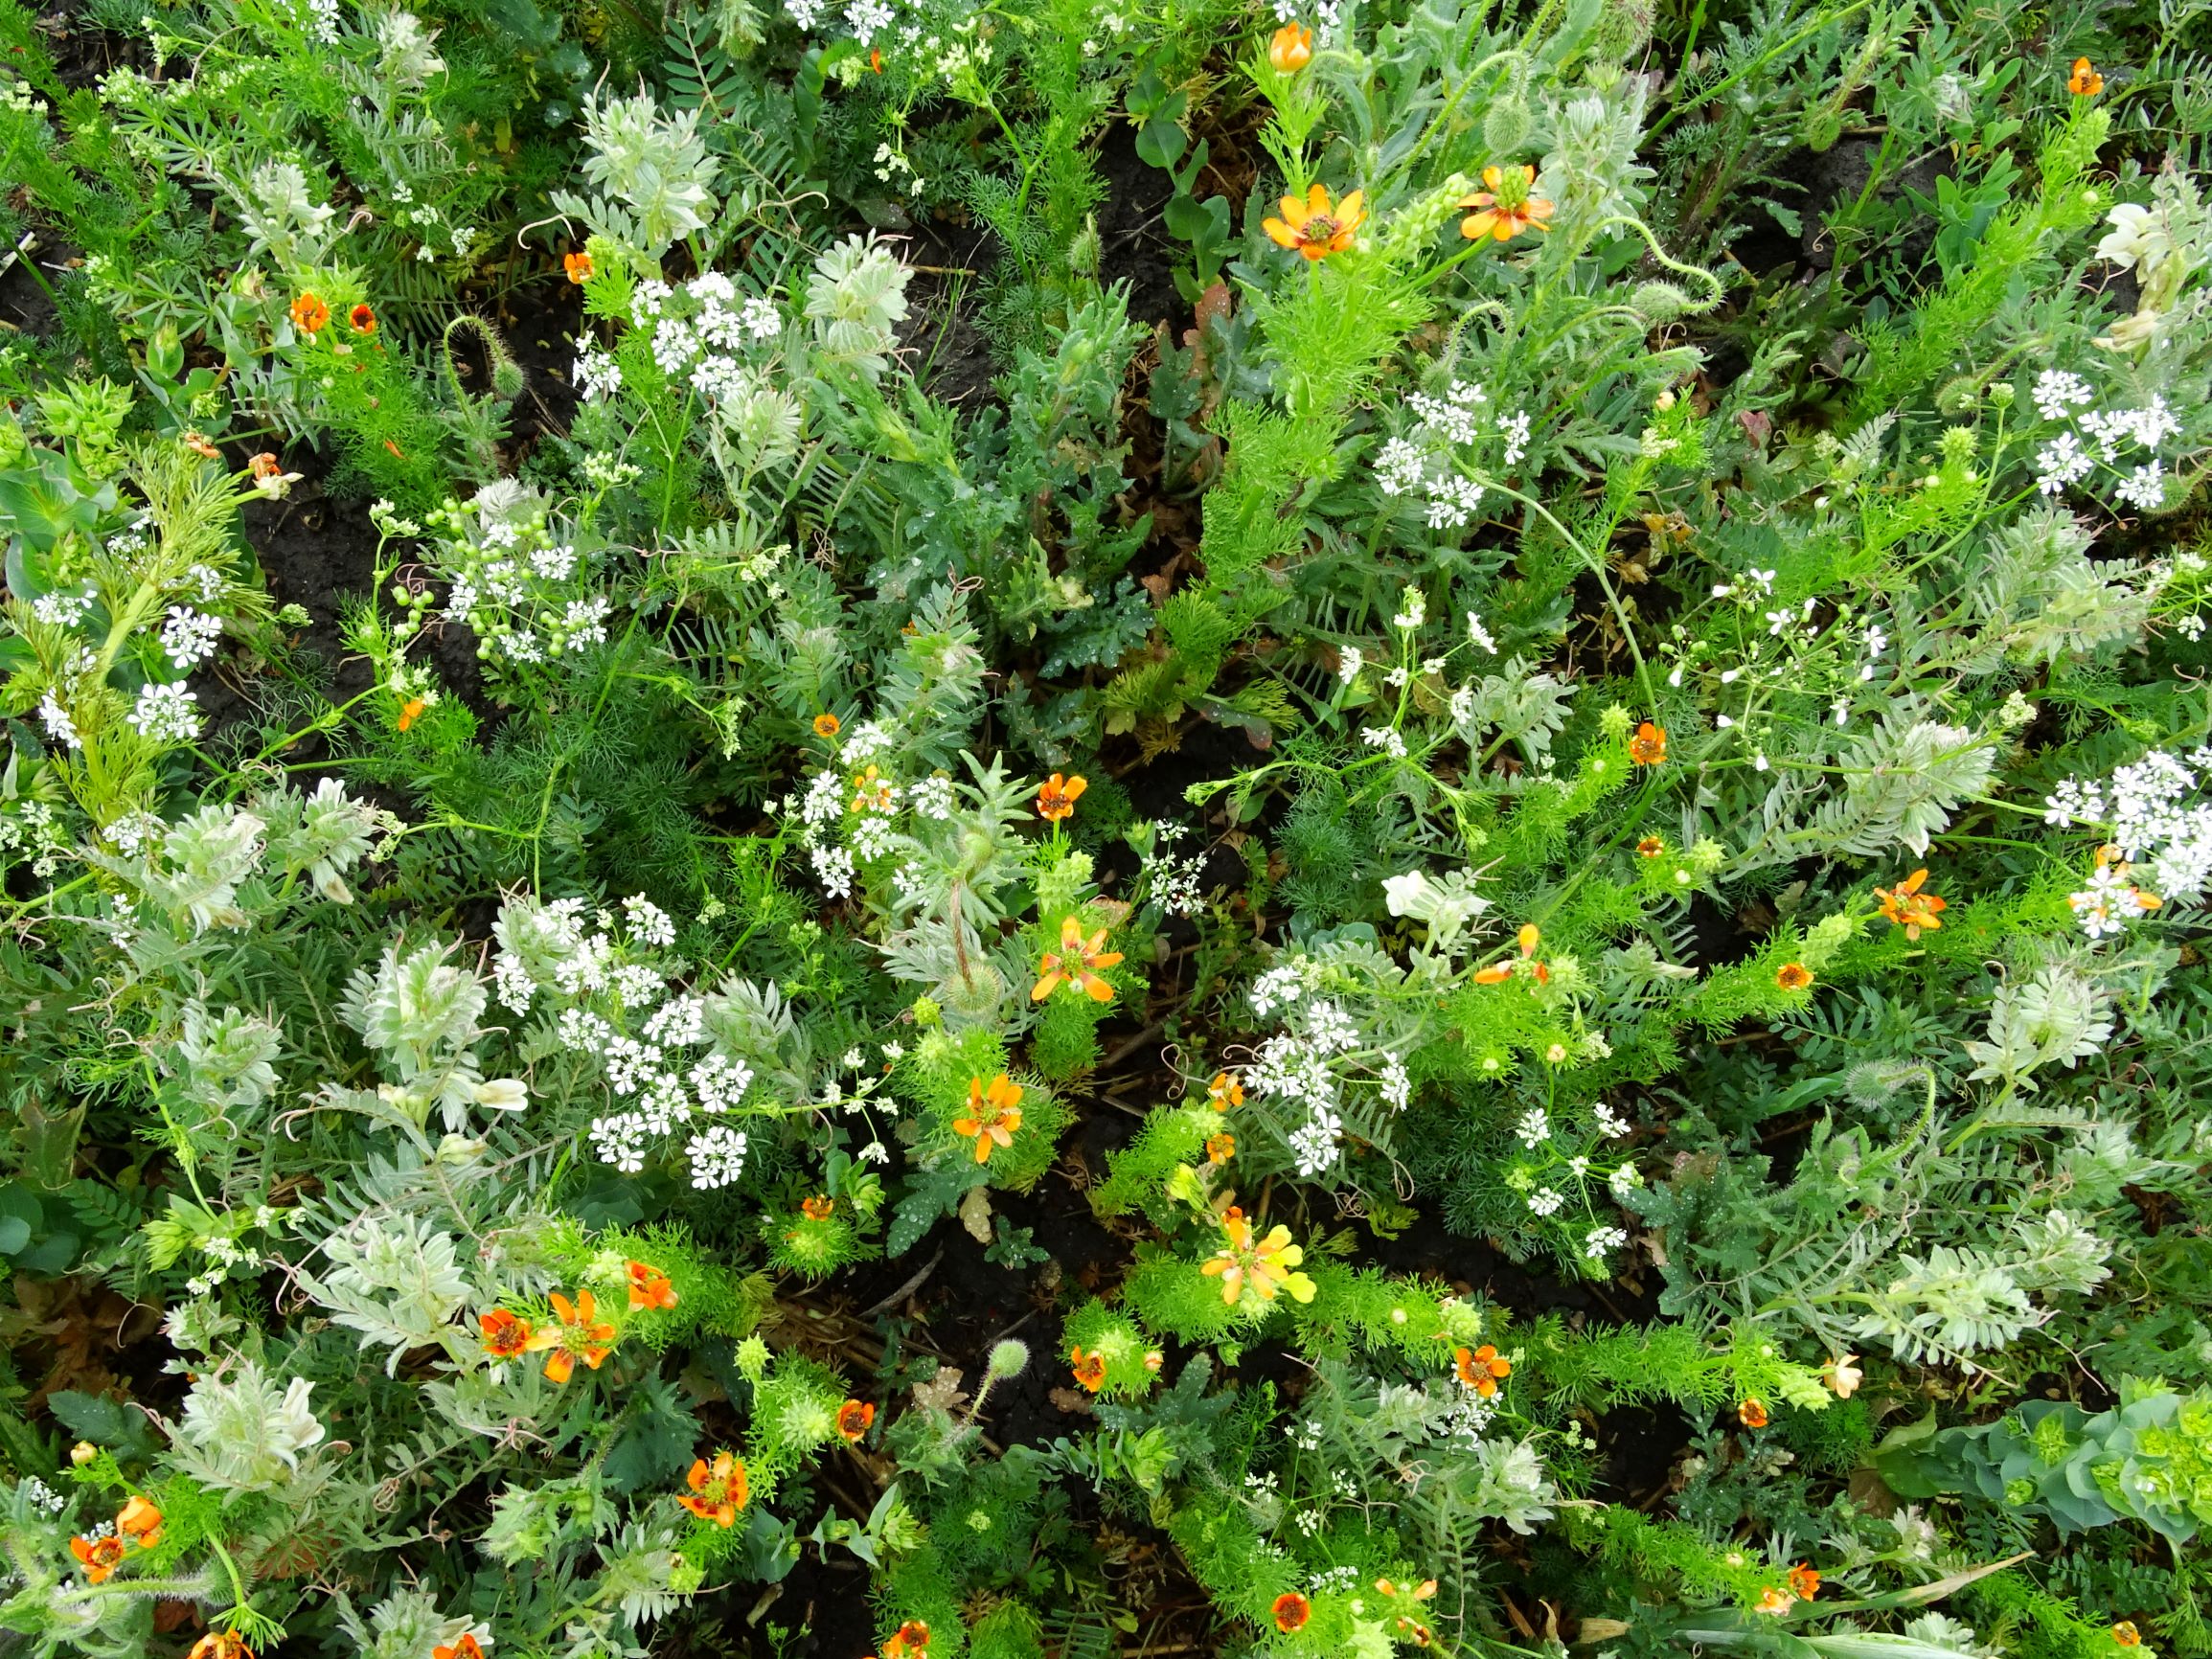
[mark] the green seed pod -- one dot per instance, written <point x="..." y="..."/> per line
<point x="1506" y="128"/>
<point x="1659" y="302"/>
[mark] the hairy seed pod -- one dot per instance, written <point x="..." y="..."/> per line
<point x="1505" y="128"/>
<point x="1659" y="302"/>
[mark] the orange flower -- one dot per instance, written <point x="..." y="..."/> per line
<point x="1291" y="1611"/>
<point x="993" y="1114"/>
<point x="854" y="1418"/>
<point x="223" y="1644"/>
<point x="140" y="1522"/>
<point x="578" y="266"/>
<point x="1220" y="1149"/>
<point x="1804" y="1582"/>
<point x="1226" y="1090"/>
<point x="1089" y="1369"/>
<point x="875" y="59"/>
<point x="505" y="1336"/>
<point x="265" y="465"/>
<point x="1077" y="963"/>
<point x="817" y="1209"/>
<point x="1499" y="972"/>
<point x="649" y="1287"/>
<point x="197" y="443"/>
<point x="1290" y="49"/>
<point x="466" y="1648"/>
<point x="2125" y="1632"/>
<point x="101" y="1556"/>
<point x="410" y="712"/>
<point x="580" y="1334"/>
<point x="718" y="1493"/>
<point x="2085" y="81"/>
<point x="1313" y="227"/>
<point x="1774" y="1600"/>
<point x="1505" y="209"/>
<point x="1481" y="1369"/>
<point x="309" y="314"/>
<point x="1910" y="908"/>
<point x="1056" y="799"/>
<point x="826" y="725"/>
<point x="1649" y="746"/>
<point x="1267" y="1265"/>
<point x="1650" y="846"/>
<point x="871" y="789"/>
<point x="363" y="319"/>
<point x="1793" y="976"/>
<point x="1752" y="1413"/>
<point x="910" y="1637"/>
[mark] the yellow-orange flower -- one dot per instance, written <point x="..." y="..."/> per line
<point x="871" y="790"/>
<point x="310" y="314"/>
<point x="1505" y="209"/>
<point x="1220" y="1149"/>
<point x="1804" y="1582"/>
<point x="100" y="1557"/>
<point x="649" y="1287"/>
<point x="1315" y="227"/>
<point x="1266" y="1264"/>
<point x="2085" y="81"/>
<point x="1226" y="1090"/>
<point x="579" y="1334"/>
<point x="1650" y="846"/>
<point x="1793" y="976"/>
<point x="818" y="1209"/>
<point x="826" y="725"/>
<point x="2125" y="1634"/>
<point x="363" y="319"/>
<point x="1479" y="1369"/>
<point x="466" y="1648"/>
<point x="410" y="712"/>
<point x="1075" y="962"/>
<point x="140" y="1522"/>
<point x="1907" y="906"/>
<point x="1056" y="797"/>
<point x="1752" y="1413"/>
<point x="222" y="1645"/>
<point x="1089" y="1369"/>
<point x="993" y="1114"/>
<point x="505" y="1336"/>
<point x="717" y="1493"/>
<point x="578" y="266"/>
<point x="1649" y="746"/>
<point x="1291" y="1611"/>
<point x="911" y="1637"/>
<point x="1290" y="49"/>
<point x="854" y="1418"/>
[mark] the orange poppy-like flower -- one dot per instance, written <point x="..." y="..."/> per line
<point x="2125" y="1632"/>
<point x="1315" y="227"/>
<point x="1056" y="797"/>
<point x="101" y="1556"/>
<point x="1479" y="1369"/>
<point x="854" y="1418"/>
<point x="1793" y="976"/>
<point x="826" y="725"/>
<point x="649" y="1287"/>
<point x="1907" y="906"/>
<point x="309" y="314"/>
<point x="1505" y="209"/>
<point x="466" y="1648"/>
<point x="2085" y="81"/>
<point x="201" y="445"/>
<point x="505" y="1335"/>
<point x="1267" y="1265"/>
<point x="1650" y="846"/>
<point x="1089" y="1369"/>
<point x="1527" y="938"/>
<point x="579" y="1335"/>
<point x="1226" y="1090"/>
<point x="140" y="1522"/>
<point x="1774" y="1600"/>
<point x="265" y="465"/>
<point x="910" y="1637"/>
<point x="992" y="1116"/>
<point x="817" y="1209"/>
<point x="1075" y="962"/>
<point x="1752" y="1413"/>
<point x="410" y="712"/>
<point x="717" y="1493"/>
<point x="1804" y="1582"/>
<point x="871" y="790"/>
<point x="1290" y="49"/>
<point x="1649" y="746"/>
<point x="1220" y="1149"/>
<point x="1291" y="1611"/>
<point x="363" y="319"/>
<point x="578" y="266"/>
<point x="224" y="1645"/>
<point x="875" y="59"/>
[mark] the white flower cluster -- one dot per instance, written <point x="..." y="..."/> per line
<point x="2065" y="460"/>
<point x="1309" y="1063"/>
<point x="2153" y="814"/>
<point x="1174" y="878"/>
<point x="164" y="714"/>
<point x="509" y="573"/>
<point x="188" y="637"/>
<point x="1424" y="466"/>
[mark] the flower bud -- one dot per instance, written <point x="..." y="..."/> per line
<point x="1659" y="302"/>
<point x="1505" y="128"/>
